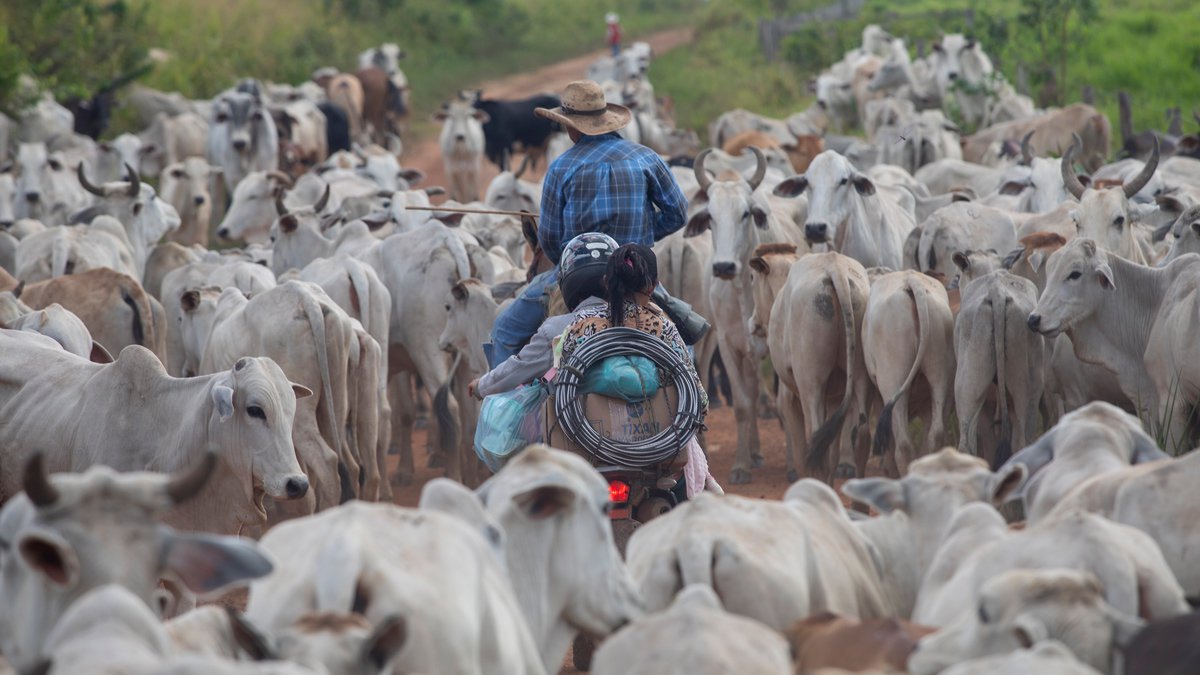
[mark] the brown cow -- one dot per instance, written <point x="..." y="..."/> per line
<point x="385" y="103"/>
<point x="346" y="92"/>
<point x="117" y="311"/>
<point x="799" y="154"/>
<point x="827" y="640"/>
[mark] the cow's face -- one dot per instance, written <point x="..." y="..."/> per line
<point x="35" y="169"/>
<point x="553" y="507"/>
<point x="244" y="118"/>
<point x="1043" y="190"/>
<point x="833" y="93"/>
<point x="1078" y="281"/>
<point x="198" y="305"/>
<point x="1108" y="217"/>
<point x="253" y="408"/>
<point x="462" y="130"/>
<point x="1185" y="233"/>
<point x="470" y="315"/>
<point x="252" y="209"/>
<point x="835" y="194"/>
<point x="768" y="274"/>
<point x="1021" y="608"/>
<point x="735" y="215"/>
<point x="185" y="184"/>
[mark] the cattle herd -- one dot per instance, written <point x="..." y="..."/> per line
<point x="177" y="422"/>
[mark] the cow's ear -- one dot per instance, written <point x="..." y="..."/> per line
<point x="99" y="354"/>
<point x="48" y="553"/>
<point x="1036" y="259"/>
<point x="207" y="563"/>
<point x="544" y="501"/>
<point x="249" y="638"/>
<point x="698" y="223"/>
<point x="1004" y="483"/>
<point x="441" y="116"/>
<point x="760" y="216"/>
<point x="863" y="185"/>
<point x="760" y="265"/>
<point x="223" y="400"/>
<point x="413" y="176"/>
<point x="1013" y="187"/>
<point x="300" y="390"/>
<point x="190" y="300"/>
<point x="1104" y="275"/>
<point x="385" y="641"/>
<point x="791" y="187"/>
<point x="883" y="494"/>
<point x="1028" y="631"/>
<point x="961" y="261"/>
<point x="435" y="190"/>
<point x="482" y="117"/>
<point x="288" y="224"/>
<point x="1196" y="227"/>
<point x="454" y="499"/>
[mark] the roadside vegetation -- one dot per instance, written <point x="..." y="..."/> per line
<point x="1146" y="48"/>
<point x="76" y="47"/>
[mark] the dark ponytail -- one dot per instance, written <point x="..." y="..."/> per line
<point x="631" y="268"/>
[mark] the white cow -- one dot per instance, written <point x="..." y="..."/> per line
<point x="252" y="208"/>
<point x="1108" y="216"/>
<point x="461" y="141"/>
<point x="964" y="71"/>
<point x="848" y="211"/>
<point x="71" y="533"/>
<point x="992" y="342"/>
<point x="694" y="635"/>
<point x="507" y="192"/>
<point x="52" y="321"/>
<point x="184" y="185"/>
<point x="775" y="562"/>
<point x="1185" y="235"/>
<point x="1132" y="320"/>
<point x="1087" y="442"/>
<point x="908" y="331"/>
<point x="171" y="139"/>
<point x="242" y="138"/>
<point x="566" y="572"/>
<point x="72" y="249"/>
<point x="961" y="227"/>
<point x="1021" y="608"/>
<point x="1049" y="657"/>
<point x="740" y="218"/>
<point x="168" y="423"/>
<point x="145" y="217"/>
<point x="45" y="189"/>
<point x="916" y="512"/>
<point x="443" y="573"/>
<point x="979" y="547"/>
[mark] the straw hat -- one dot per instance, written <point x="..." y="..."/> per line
<point x="584" y="109"/>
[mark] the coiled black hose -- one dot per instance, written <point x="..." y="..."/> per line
<point x="568" y="403"/>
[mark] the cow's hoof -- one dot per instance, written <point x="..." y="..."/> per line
<point x="402" y="479"/>
<point x="436" y="461"/>
<point x="393" y="450"/>
<point x="739" y="476"/>
<point x="757" y="461"/>
<point x="844" y="471"/>
<point x="793" y="475"/>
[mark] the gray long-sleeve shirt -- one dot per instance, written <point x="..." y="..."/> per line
<point x="535" y="358"/>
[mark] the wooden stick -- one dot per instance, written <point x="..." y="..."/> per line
<point x="451" y="209"/>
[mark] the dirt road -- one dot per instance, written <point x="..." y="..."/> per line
<point x="424" y="154"/>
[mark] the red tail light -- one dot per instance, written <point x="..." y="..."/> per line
<point x="618" y="491"/>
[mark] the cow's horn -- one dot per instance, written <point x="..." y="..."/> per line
<point x="698" y="168"/>
<point x="279" y="207"/>
<point x="521" y="169"/>
<point x="183" y="485"/>
<point x="1026" y="151"/>
<point x="320" y="205"/>
<point x="1134" y="186"/>
<point x="1070" y="180"/>
<point x="760" y="168"/>
<point x="135" y="183"/>
<point x="37" y="484"/>
<point x="280" y="176"/>
<point x="87" y="184"/>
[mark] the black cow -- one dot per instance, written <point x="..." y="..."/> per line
<point x="337" y="127"/>
<point x="513" y="122"/>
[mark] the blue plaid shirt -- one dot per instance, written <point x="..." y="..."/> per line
<point x="607" y="184"/>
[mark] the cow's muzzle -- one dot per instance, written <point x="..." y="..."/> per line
<point x="724" y="270"/>
<point x="816" y="233"/>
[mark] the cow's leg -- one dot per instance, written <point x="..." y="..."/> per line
<point x="750" y="366"/>
<point x="902" y="444"/>
<point x="811" y="396"/>
<point x="792" y="414"/>
<point x="744" y="386"/>
<point x="384" y="439"/>
<point x="404" y="417"/>
<point x="432" y="368"/>
<point x="941" y="387"/>
<point x="469" y="412"/>
<point x="858" y="424"/>
<point x="970" y="391"/>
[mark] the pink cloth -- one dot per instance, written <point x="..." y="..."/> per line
<point x="695" y="472"/>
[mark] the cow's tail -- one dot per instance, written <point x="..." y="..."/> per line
<point x="316" y="323"/>
<point x="999" y="329"/>
<point x="823" y="438"/>
<point x="60" y="255"/>
<point x="447" y="423"/>
<point x="140" y="317"/>
<point x="695" y="559"/>
<point x="883" y="432"/>
<point x="360" y="286"/>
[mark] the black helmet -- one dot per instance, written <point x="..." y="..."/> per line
<point x="581" y="268"/>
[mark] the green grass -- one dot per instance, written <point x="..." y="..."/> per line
<point x="1149" y="49"/>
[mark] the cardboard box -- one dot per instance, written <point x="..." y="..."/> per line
<point x="618" y="419"/>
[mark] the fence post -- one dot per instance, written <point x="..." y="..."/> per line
<point x="766" y="37"/>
